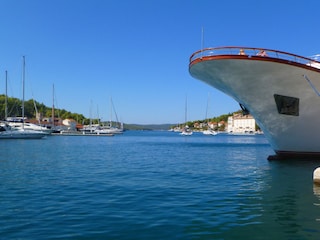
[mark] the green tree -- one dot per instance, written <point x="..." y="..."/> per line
<point x="14" y="110"/>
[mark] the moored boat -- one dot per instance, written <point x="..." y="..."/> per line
<point x="280" y="90"/>
<point x="209" y="132"/>
<point x="18" y="123"/>
<point x="6" y="132"/>
<point x="186" y="131"/>
<point x="108" y="130"/>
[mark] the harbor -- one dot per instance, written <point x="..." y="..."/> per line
<point x="156" y="120"/>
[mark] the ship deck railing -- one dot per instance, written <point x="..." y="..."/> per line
<point x="249" y="52"/>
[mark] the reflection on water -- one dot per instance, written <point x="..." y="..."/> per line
<point x="290" y="203"/>
<point x="154" y="185"/>
<point x="316" y="190"/>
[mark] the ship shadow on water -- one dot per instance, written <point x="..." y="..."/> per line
<point x="292" y="201"/>
<point x="274" y="199"/>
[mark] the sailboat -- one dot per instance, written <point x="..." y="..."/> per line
<point x="111" y="129"/>
<point x="186" y="131"/>
<point x="209" y="130"/>
<point x="8" y="132"/>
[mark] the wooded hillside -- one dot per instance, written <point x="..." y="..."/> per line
<point x="31" y="107"/>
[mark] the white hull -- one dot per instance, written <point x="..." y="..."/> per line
<point x="184" y="133"/>
<point x="7" y="133"/>
<point x="210" y="132"/>
<point x="111" y="130"/>
<point x="100" y="130"/>
<point x="29" y="126"/>
<point x="22" y="134"/>
<point x="255" y="82"/>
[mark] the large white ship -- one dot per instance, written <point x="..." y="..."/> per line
<point x="281" y="90"/>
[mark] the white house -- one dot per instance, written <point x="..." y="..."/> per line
<point x="239" y="123"/>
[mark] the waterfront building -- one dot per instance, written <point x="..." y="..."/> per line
<point x="241" y="124"/>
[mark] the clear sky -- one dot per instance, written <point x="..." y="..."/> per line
<point x="137" y="51"/>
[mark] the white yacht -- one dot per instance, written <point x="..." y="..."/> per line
<point x="186" y="131"/>
<point x="281" y="91"/>
<point x="209" y="132"/>
<point x="18" y="123"/>
<point x="6" y="132"/>
<point x="108" y="130"/>
<point x="21" y="131"/>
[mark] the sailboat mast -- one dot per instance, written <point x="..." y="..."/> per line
<point x="185" y="111"/>
<point x="111" y="110"/>
<point x="52" y="113"/>
<point x="23" y="79"/>
<point x="115" y="113"/>
<point x="6" y="99"/>
<point x="91" y="116"/>
<point x="207" y="106"/>
<point x="202" y="41"/>
<point x="186" y="108"/>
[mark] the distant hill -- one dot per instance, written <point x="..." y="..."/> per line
<point x="148" y="126"/>
<point x="14" y="110"/>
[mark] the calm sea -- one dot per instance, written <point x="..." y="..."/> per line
<point x="154" y="185"/>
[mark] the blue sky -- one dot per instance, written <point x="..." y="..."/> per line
<point x="137" y="52"/>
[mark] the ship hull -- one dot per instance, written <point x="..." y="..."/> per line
<point x="281" y="95"/>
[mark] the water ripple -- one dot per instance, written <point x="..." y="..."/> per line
<point x="153" y="186"/>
